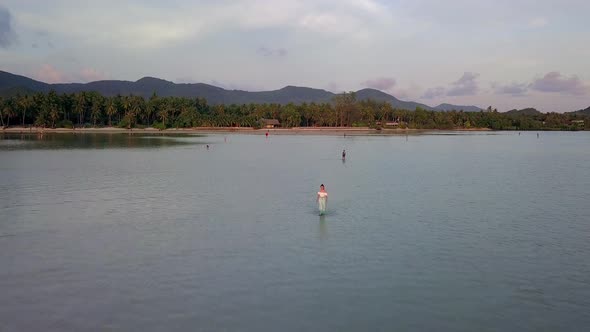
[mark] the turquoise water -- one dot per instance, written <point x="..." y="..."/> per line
<point x="447" y="232"/>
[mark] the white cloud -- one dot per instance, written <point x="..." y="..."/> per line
<point x="49" y="74"/>
<point x="537" y="22"/>
<point x="380" y="83"/>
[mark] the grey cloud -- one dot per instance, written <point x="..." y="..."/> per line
<point x="234" y="86"/>
<point x="555" y="82"/>
<point x="7" y="34"/>
<point x="465" y="86"/>
<point x="381" y="83"/>
<point x="333" y="87"/>
<point x="265" y="51"/>
<point x="515" y="89"/>
<point x="434" y="93"/>
<point x="185" y="80"/>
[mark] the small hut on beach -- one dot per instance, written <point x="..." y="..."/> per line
<point x="270" y="123"/>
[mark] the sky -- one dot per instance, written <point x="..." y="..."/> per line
<point x="504" y="53"/>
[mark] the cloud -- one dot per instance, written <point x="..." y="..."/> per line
<point x="537" y="22"/>
<point x="148" y="24"/>
<point x="265" y="51"/>
<point x="555" y="82"/>
<point x="434" y="93"/>
<point x="91" y="75"/>
<point x="514" y="89"/>
<point x="381" y="83"/>
<point x="7" y="34"/>
<point x="48" y="74"/>
<point x="333" y="87"/>
<point x="465" y="86"/>
<point x="185" y="80"/>
<point x="236" y="86"/>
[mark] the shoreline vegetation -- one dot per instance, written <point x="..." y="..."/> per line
<point x="229" y="130"/>
<point x="93" y="112"/>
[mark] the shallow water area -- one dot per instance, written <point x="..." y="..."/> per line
<point x="468" y="231"/>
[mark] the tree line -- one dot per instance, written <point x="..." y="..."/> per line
<point x="91" y="109"/>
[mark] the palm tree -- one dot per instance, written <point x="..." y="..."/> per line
<point x="151" y="107"/>
<point x="80" y="107"/>
<point x="163" y="115"/>
<point x="24" y="102"/>
<point x="9" y="112"/>
<point x="111" y="109"/>
<point x="2" y="111"/>
<point x="96" y="109"/>
<point x="136" y="109"/>
<point x="53" y="114"/>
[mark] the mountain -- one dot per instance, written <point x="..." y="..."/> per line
<point x="11" y="84"/>
<point x="584" y="112"/>
<point x="10" y="81"/>
<point x="524" y="111"/>
<point x="449" y="107"/>
<point x="381" y="96"/>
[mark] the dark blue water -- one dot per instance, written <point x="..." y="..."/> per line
<point x="446" y="232"/>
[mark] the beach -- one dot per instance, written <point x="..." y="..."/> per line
<point x="334" y="131"/>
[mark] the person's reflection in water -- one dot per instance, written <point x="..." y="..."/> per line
<point x="323" y="230"/>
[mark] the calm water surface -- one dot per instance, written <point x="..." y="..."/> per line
<point x="446" y="232"/>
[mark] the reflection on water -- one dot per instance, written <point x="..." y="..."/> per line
<point x="34" y="141"/>
<point x="322" y="227"/>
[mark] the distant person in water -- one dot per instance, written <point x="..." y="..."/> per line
<point x="343" y="154"/>
<point x="322" y="199"/>
<point x="207" y="146"/>
<point x="267" y="134"/>
<point x="537" y="135"/>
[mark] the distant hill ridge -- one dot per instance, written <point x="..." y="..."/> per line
<point x="584" y="112"/>
<point x="11" y="84"/>
<point x="524" y="111"/>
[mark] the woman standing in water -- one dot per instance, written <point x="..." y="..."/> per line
<point x="322" y="199"/>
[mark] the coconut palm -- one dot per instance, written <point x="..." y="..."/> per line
<point x="111" y="109"/>
<point x="96" y="109"/>
<point x="24" y="102"/>
<point x="80" y="107"/>
<point x="8" y="111"/>
<point x="53" y="114"/>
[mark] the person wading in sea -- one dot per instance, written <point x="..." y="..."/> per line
<point x="322" y="199"/>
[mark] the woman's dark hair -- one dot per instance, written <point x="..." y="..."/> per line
<point x="321" y="185"/>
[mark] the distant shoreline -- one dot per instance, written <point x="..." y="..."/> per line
<point x="241" y="130"/>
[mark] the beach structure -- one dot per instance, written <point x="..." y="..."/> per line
<point x="270" y="123"/>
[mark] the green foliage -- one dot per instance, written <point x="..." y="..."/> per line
<point x="90" y="109"/>
<point x="65" y="124"/>
<point x="158" y="125"/>
<point x="124" y="123"/>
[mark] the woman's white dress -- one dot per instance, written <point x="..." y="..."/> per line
<point x="323" y="198"/>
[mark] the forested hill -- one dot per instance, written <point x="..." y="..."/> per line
<point x="450" y="107"/>
<point x="11" y="85"/>
<point x="524" y="111"/>
<point x="584" y="112"/>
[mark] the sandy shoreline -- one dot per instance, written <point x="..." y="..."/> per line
<point x="239" y="130"/>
